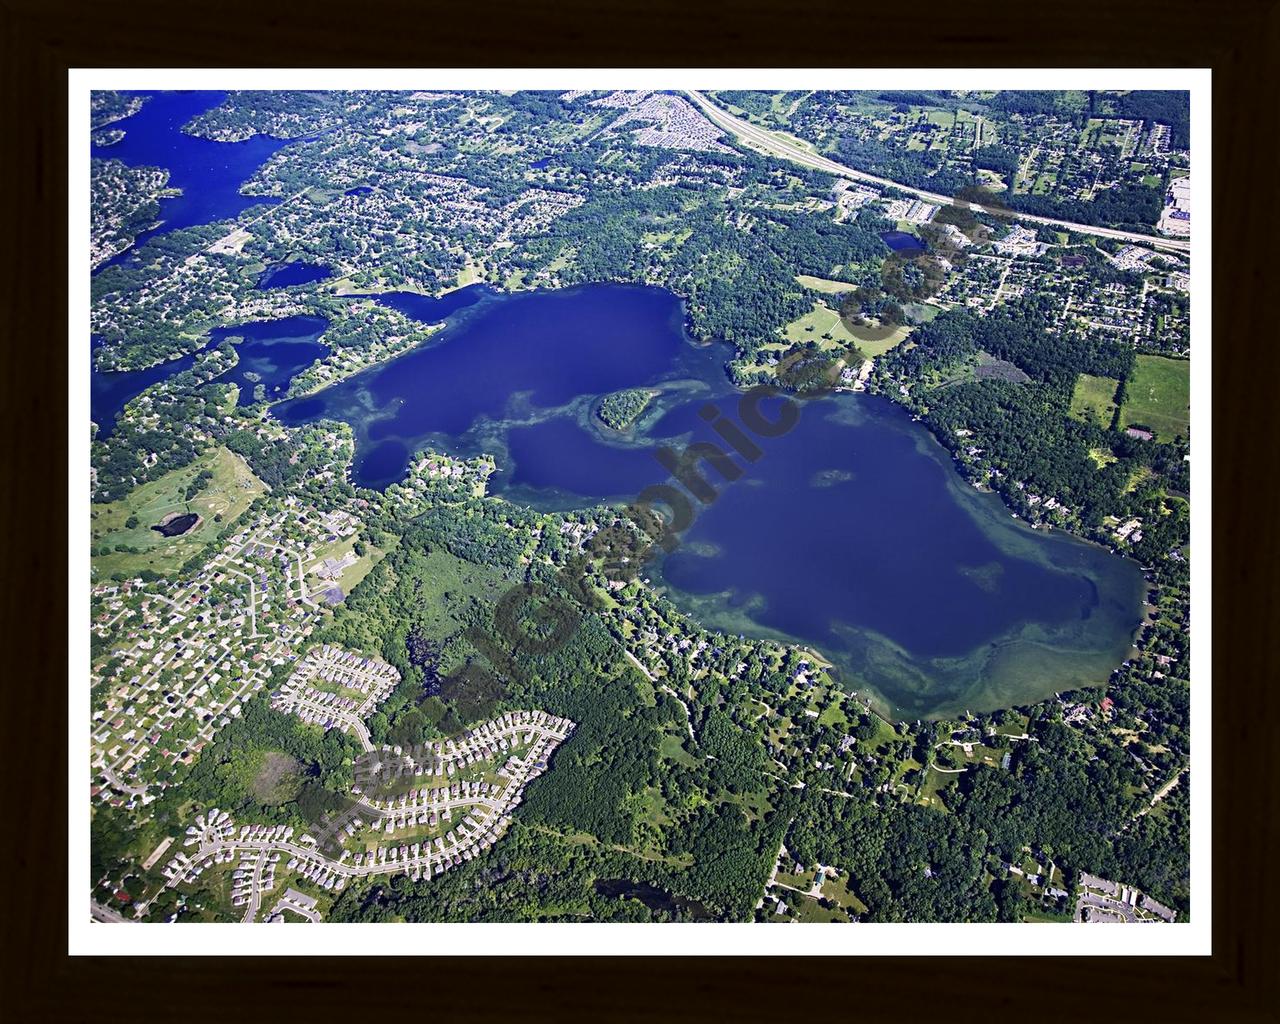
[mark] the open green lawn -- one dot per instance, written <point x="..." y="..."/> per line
<point x="880" y="347"/>
<point x="838" y="889"/>
<point x="802" y="882"/>
<point x="1092" y="399"/>
<point x="469" y="275"/>
<point x="672" y="748"/>
<point x="934" y="782"/>
<point x="921" y="312"/>
<point x="353" y="573"/>
<point x="1036" y="914"/>
<point x="1014" y="725"/>
<point x="823" y="284"/>
<point x="824" y="326"/>
<point x="833" y="714"/>
<point x="812" y="912"/>
<point x="755" y="804"/>
<point x="885" y="734"/>
<point x="230" y="491"/>
<point x="1159" y="396"/>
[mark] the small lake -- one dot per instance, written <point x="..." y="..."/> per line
<point x="176" y="526"/>
<point x="901" y="241"/>
<point x="432" y="310"/>
<point x="286" y="275"/>
<point x="109" y="393"/>
<point x="653" y="897"/>
<point x="851" y="533"/>
<point x="271" y="353"/>
<point x="504" y="360"/>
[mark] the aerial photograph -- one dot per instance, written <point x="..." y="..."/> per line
<point x="645" y="506"/>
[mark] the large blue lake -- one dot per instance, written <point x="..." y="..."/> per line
<point x="851" y="533"/>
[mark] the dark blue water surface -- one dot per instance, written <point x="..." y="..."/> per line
<point x="852" y="532"/>
<point x="288" y="274"/>
<point x="516" y="358"/>
<point x="431" y="310"/>
<point x="209" y="173"/>
<point x="111" y="392"/>
<point x="901" y="241"/>
<point x="273" y="351"/>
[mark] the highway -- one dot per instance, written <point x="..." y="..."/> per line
<point x="776" y="146"/>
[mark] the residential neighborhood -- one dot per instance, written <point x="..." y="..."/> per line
<point x="469" y="786"/>
<point x="1101" y="901"/>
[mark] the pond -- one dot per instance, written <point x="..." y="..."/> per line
<point x="176" y="525"/>
<point x="286" y="275"/>
<point x="653" y="897"/>
<point x="428" y="309"/>
<point x="110" y="392"/>
<point x="902" y="241"/>
<point x="271" y="353"/>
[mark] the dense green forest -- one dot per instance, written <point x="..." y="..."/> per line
<point x="620" y="409"/>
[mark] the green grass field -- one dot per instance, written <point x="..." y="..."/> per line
<point x="671" y="748"/>
<point x="879" y="348"/>
<point x="833" y="714"/>
<point x="934" y="783"/>
<point x="1159" y="396"/>
<point x="821" y="325"/>
<point x="823" y="284"/>
<point x="838" y="890"/>
<point x="824" y="326"/>
<point x="229" y="493"/>
<point x="1092" y="399"/>
<point x="1014" y="725"/>
<point x="276" y="780"/>
<point x="812" y="912"/>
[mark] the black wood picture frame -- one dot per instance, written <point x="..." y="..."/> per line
<point x="41" y="39"/>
